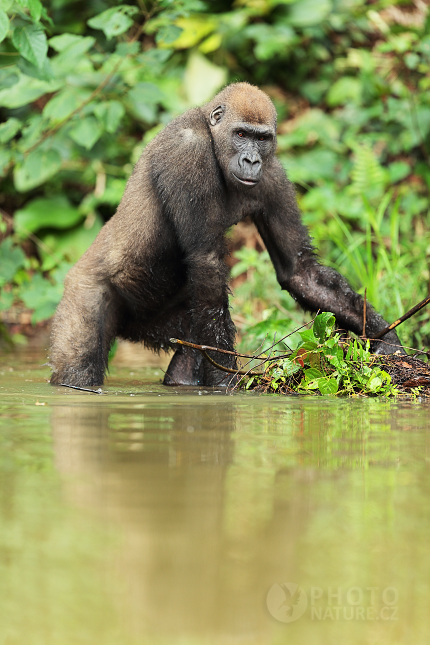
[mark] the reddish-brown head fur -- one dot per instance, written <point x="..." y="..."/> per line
<point x="245" y="102"/>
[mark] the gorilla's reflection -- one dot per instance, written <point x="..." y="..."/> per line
<point x="198" y="545"/>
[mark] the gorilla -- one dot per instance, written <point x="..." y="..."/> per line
<point x="157" y="270"/>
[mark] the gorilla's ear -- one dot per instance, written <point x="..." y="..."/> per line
<point x="217" y="114"/>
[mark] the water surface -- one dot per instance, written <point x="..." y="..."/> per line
<point x="149" y="515"/>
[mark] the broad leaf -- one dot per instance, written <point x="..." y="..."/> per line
<point x="344" y="90"/>
<point x="11" y="259"/>
<point x="69" y="244"/>
<point x="5" y="159"/>
<point x="328" y="386"/>
<point x="114" y="21"/>
<point x="110" y="114"/>
<point x="59" y="43"/>
<point x="86" y="132"/>
<point x="31" y="43"/>
<point x="307" y="335"/>
<point x="6" y="300"/>
<point x="64" y="103"/>
<point x="26" y="90"/>
<point x="35" y="7"/>
<point x="37" y="167"/>
<point x="54" y="212"/>
<point x="4" y="25"/>
<point x="323" y="325"/>
<point x="202" y="79"/>
<point x="8" y="129"/>
<point x="308" y="12"/>
<point x="42" y="296"/>
<point x="313" y="373"/>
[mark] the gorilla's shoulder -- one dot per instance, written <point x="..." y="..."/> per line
<point x="187" y="133"/>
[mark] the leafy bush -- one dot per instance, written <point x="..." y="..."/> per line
<point x="324" y="364"/>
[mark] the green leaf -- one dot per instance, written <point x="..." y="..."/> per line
<point x="8" y="129"/>
<point x="289" y="368"/>
<point x="12" y="258"/>
<point x="127" y="49"/>
<point x="168" y="34"/>
<point x="271" y="40"/>
<point x="144" y="98"/>
<point x="26" y="90"/>
<point x="374" y="383"/>
<point x="59" y="43"/>
<point x="64" y="103"/>
<point x="73" y="53"/>
<point x="35" y="9"/>
<point x="42" y="296"/>
<point x="323" y="325"/>
<point x="31" y="43"/>
<point x="4" y="25"/>
<point x="305" y="13"/>
<point x="344" y="90"/>
<point x="110" y="114"/>
<point x="312" y="165"/>
<point x="308" y="335"/>
<point x="36" y="168"/>
<point x="43" y="212"/>
<point x="328" y="386"/>
<point x="86" y="132"/>
<point x="202" y="78"/>
<point x="114" y="21"/>
<point x="313" y="373"/>
<point x="5" y="158"/>
<point x="6" y="300"/>
<point x="70" y="244"/>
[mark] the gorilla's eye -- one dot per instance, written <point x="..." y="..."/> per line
<point x="262" y="138"/>
<point x="241" y="134"/>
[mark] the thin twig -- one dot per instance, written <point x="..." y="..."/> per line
<point x="81" y="389"/>
<point x="364" y="312"/>
<point x="203" y="348"/>
<point x="407" y="315"/>
<point x="208" y="348"/>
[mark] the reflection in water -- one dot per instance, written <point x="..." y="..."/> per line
<point x="217" y="499"/>
<point x="165" y="518"/>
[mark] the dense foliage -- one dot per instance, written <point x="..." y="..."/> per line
<point x="85" y="85"/>
<point x="324" y="363"/>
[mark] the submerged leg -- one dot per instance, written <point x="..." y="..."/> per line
<point x="185" y="368"/>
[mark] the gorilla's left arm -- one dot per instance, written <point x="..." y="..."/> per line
<point x="313" y="286"/>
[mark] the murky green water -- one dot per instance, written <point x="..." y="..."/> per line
<point x="174" y="517"/>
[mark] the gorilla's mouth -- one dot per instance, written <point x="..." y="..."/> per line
<point x="246" y="182"/>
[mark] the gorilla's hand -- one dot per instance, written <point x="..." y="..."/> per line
<point x="389" y="344"/>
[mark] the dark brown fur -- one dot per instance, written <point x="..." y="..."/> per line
<point x="156" y="270"/>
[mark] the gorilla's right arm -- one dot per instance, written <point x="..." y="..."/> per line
<point x="313" y="286"/>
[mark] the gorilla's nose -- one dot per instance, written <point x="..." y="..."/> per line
<point x="251" y="160"/>
<point x="251" y="163"/>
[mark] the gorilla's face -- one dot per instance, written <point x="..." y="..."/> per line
<point x="253" y="144"/>
<point x="242" y="148"/>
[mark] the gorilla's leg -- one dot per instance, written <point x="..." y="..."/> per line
<point x="185" y="368"/>
<point x="83" y="329"/>
<point x="186" y="365"/>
